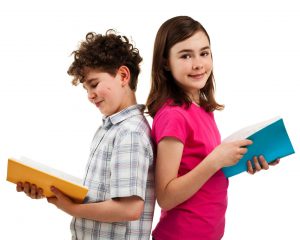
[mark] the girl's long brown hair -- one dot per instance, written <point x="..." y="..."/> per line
<point x="163" y="85"/>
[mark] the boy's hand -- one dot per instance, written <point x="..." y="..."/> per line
<point x="60" y="200"/>
<point x="31" y="190"/>
<point x="259" y="164"/>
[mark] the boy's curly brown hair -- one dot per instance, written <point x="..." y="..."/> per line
<point x="106" y="53"/>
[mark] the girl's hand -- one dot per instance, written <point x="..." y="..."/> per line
<point x="259" y="164"/>
<point x="31" y="190"/>
<point x="229" y="153"/>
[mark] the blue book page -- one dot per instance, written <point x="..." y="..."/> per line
<point x="270" y="139"/>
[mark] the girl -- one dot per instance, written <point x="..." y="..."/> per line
<point x="190" y="186"/>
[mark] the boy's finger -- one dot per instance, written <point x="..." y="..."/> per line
<point x="56" y="192"/>
<point x="33" y="193"/>
<point x="19" y="187"/>
<point x="40" y="193"/>
<point x="27" y="188"/>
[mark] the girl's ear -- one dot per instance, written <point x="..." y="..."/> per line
<point x="166" y="66"/>
<point x="124" y="72"/>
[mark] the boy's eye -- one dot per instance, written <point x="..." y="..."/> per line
<point x="94" y="84"/>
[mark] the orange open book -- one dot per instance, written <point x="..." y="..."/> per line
<point x="26" y="170"/>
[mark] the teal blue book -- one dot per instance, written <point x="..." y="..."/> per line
<point x="270" y="139"/>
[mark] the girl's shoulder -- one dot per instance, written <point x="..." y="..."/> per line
<point x="170" y="110"/>
<point x="172" y="114"/>
<point x="182" y="113"/>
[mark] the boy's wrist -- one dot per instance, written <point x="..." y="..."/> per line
<point x="74" y="209"/>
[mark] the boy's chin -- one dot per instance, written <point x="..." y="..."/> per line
<point x="106" y="113"/>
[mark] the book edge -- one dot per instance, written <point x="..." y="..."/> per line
<point x="250" y="129"/>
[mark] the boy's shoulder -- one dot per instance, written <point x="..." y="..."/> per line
<point x="134" y="129"/>
<point x="131" y="119"/>
<point x="136" y="123"/>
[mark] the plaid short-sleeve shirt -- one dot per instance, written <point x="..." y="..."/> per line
<point x="120" y="165"/>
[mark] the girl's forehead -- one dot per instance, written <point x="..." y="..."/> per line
<point x="197" y="40"/>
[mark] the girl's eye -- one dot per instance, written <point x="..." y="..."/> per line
<point x="205" y="53"/>
<point x="186" y="56"/>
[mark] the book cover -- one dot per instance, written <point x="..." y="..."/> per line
<point x="270" y="139"/>
<point x="26" y="170"/>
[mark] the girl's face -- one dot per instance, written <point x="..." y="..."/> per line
<point x="190" y="63"/>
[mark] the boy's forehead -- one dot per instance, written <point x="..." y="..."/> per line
<point x="89" y="71"/>
<point x="92" y="74"/>
<point x="88" y="75"/>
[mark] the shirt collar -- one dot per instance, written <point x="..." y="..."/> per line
<point x="122" y="115"/>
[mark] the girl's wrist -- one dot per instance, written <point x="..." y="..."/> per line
<point x="213" y="163"/>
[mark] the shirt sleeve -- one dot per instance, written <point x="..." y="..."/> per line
<point x="129" y="166"/>
<point x="170" y="123"/>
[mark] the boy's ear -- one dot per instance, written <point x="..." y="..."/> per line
<point x="125" y="75"/>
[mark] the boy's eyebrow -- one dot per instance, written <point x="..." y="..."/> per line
<point x="190" y="50"/>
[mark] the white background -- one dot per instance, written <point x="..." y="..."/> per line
<point x="256" y="49"/>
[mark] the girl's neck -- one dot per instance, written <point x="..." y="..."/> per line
<point x="197" y="104"/>
<point x="195" y="98"/>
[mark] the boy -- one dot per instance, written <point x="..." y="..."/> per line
<point x="119" y="172"/>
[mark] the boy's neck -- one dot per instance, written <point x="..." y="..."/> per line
<point x="129" y="100"/>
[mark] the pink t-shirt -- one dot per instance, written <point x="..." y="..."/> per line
<point x="203" y="215"/>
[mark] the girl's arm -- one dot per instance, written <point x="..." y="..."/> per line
<point x="172" y="190"/>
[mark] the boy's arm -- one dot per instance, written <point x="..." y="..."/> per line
<point x="113" y="210"/>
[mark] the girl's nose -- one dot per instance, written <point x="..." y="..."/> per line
<point x="195" y="67"/>
<point x="197" y="64"/>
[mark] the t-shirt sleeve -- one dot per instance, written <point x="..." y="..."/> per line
<point x="129" y="166"/>
<point x="170" y="123"/>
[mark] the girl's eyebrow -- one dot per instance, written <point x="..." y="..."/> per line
<point x="190" y="50"/>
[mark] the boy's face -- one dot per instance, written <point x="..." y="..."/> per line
<point x="105" y="91"/>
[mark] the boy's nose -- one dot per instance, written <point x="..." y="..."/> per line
<point x="91" y="95"/>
